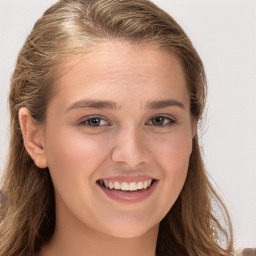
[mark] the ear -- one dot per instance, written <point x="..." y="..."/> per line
<point x="33" y="137"/>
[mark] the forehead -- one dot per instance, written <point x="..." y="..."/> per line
<point x="121" y="67"/>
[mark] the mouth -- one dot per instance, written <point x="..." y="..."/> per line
<point x="126" y="186"/>
<point x="128" y="189"/>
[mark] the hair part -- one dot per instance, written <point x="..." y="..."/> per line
<point x="74" y="27"/>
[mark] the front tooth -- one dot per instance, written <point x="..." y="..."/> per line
<point x="124" y="186"/>
<point x="106" y="183"/>
<point x="110" y="185"/>
<point x="132" y="186"/>
<point x="140" y="185"/>
<point x="117" y="185"/>
<point x="145" y="184"/>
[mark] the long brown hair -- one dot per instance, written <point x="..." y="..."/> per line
<point x="194" y="225"/>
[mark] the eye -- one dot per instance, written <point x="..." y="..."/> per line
<point x="161" y="121"/>
<point x="95" y="121"/>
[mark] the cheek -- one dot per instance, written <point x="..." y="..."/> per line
<point x="173" y="160"/>
<point x="175" y="149"/>
<point x="74" y="154"/>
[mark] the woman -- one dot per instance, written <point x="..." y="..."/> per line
<point x="104" y="156"/>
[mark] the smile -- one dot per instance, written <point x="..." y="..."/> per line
<point x="126" y="186"/>
<point x="128" y="189"/>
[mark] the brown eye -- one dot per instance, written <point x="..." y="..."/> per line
<point x="95" y="121"/>
<point x="161" y="121"/>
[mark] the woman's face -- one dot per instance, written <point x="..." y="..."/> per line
<point x="118" y="137"/>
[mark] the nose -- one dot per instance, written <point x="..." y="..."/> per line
<point x="130" y="148"/>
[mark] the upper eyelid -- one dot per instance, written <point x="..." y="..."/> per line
<point x="172" y="120"/>
<point x="168" y="116"/>
<point x="85" y="119"/>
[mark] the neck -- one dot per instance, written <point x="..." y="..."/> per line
<point x="72" y="238"/>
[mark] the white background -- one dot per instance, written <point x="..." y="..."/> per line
<point x="224" y="33"/>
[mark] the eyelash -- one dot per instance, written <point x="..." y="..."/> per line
<point x="166" y="121"/>
<point x="86" y="122"/>
<point x="170" y="121"/>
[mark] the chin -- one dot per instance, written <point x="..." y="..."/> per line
<point x="126" y="233"/>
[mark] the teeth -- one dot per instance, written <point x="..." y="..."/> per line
<point x="105" y="183"/>
<point x="125" y="186"/>
<point x="132" y="186"/>
<point x="140" y="185"/>
<point x="111" y="185"/>
<point x="117" y="185"/>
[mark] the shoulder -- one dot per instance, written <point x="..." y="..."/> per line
<point x="249" y="252"/>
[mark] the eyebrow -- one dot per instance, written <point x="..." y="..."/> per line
<point x="92" y="104"/>
<point x="155" y="104"/>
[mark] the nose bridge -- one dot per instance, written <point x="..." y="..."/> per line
<point x="130" y="147"/>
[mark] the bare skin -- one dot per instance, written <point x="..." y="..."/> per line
<point x="90" y="243"/>
<point x="121" y="115"/>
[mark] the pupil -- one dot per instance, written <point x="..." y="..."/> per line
<point x="158" y="120"/>
<point x="94" y="121"/>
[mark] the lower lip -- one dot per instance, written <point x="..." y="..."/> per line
<point x="129" y="196"/>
